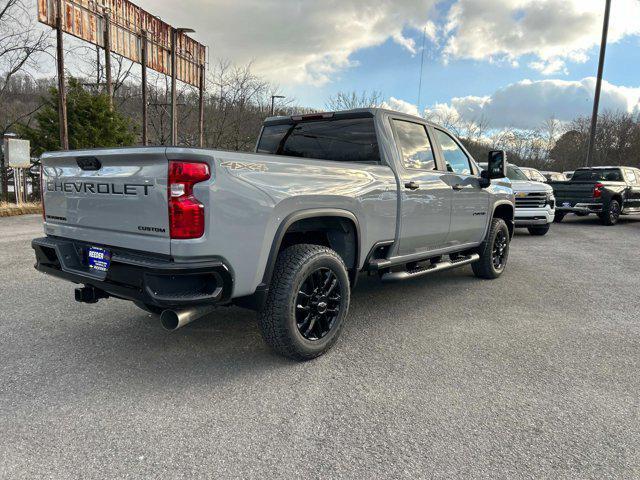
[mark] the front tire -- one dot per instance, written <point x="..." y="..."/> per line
<point x="612" y="215"/>
<point x="539" y="231"/>
<point x="494" y="251"/>
<point x="559" y="217"/>
<point x="307" y="303"/>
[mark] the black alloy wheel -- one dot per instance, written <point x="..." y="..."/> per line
<point x="318" y="304"/>
<point x="500" y="249"/>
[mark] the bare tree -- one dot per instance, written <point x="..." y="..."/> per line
<point x="351" y="100"/>
<point x="20" y="44"/>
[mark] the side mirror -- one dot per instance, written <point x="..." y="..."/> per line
<point x="485" y="181"/>
<point x="497" y="164"/>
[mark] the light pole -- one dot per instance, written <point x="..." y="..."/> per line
<point x="174" y="94"/>
<point x="596" y="99"/>
<point x="273" y="103"/>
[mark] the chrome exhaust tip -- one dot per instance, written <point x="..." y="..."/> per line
<point x="172" y="320"/>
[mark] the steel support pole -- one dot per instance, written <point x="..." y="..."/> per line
<point x="16" y="186"/>
<point x="107" y="56"/>
<point x="596" y="99"/>
<point x="174" y="93"/>
<point x="201" y="107"/>
<point x="98" y="73"/>
<point x="62" y="91"/>
<point x="145" y="102"/>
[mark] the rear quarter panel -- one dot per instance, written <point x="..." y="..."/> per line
<point x="250" y="195"/>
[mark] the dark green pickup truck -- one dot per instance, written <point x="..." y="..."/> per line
<point x="606" y="191"/>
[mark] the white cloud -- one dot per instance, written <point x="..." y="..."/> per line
<point x="555" y="31"/>
<point x="304" y="41"/>
<point x="401" y="106"/>
<point x="527" y="104"/>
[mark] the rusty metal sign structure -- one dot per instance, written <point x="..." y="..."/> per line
<point x="121" y="27"/>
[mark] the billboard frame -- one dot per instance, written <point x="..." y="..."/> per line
<point x="123" y="28"/>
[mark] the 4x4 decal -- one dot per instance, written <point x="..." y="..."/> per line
<point x="254" y="167"/>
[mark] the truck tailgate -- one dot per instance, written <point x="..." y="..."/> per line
<point x="111" y="197"/>
<point x="573" y="192"/>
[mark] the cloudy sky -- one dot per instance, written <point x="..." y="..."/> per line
<point x="517" y="62"/>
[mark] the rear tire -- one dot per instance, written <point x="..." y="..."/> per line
<point x="559" y="217"/>
<point x="612" y="215"/>
<point x="307" y="302"/>
<point x="494" y="251"/>
<point x="539" y="231"/>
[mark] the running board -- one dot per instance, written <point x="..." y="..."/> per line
<point x="436" y="267"/>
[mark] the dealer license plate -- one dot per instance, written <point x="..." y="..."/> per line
<point x="99" y="259"/>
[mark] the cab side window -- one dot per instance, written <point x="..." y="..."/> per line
<point x="413" y="140"/>
<point x="455" y="158"/>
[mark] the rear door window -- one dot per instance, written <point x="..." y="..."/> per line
<point x="340" y="140"/>
<point x="414" y="142"/>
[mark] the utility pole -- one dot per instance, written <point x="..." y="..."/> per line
<point x="62" y="91"/>
<point x="596" y="100"/>
<point x="273" y="103"/>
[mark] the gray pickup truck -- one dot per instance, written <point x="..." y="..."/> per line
<point x="284" y="231"/>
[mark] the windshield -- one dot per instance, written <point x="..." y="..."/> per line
<point x="514" y="173"/>
<point x="342" y="140"/>
<point x="599" y="174"/>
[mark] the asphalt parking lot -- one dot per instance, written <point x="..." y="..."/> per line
<point x="534" y="375"/>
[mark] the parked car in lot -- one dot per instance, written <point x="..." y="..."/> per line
<point x="533" y="174"/>
<point x="606" y="191"/>
<point x="284" y="231"/>
<point x="554" y="176"/>
<point x="535" y="203"/>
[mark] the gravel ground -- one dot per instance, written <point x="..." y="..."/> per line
<point x="534" y="375"/>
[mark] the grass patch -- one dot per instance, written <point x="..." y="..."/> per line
<point x="11" y="209"/>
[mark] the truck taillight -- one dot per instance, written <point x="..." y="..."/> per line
<point x="186" y="213"/>
<point x="597" y="190"/>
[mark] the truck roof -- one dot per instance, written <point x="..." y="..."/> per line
<point x="599" y="167"/>
<point x="373" y="111"/>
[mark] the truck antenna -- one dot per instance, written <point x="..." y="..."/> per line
<point x="424" y="38"/>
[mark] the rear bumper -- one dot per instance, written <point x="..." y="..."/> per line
<point x="529" y="217"/>
<point x="581" y="208"/>
<point x="150" y="279"/>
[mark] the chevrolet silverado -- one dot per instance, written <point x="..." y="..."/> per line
<point x="285" y="230"/>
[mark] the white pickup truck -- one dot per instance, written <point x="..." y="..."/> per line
<point x="535" y="202"/>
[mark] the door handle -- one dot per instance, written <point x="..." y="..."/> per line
<point x="458" y="186"/>
<point x="411" y="186"/>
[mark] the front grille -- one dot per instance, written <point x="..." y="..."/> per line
<point x="532" y="200"/>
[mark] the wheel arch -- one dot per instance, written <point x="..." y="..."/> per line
<point x="336" y="228"/>
<point x="505" y="211"/>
